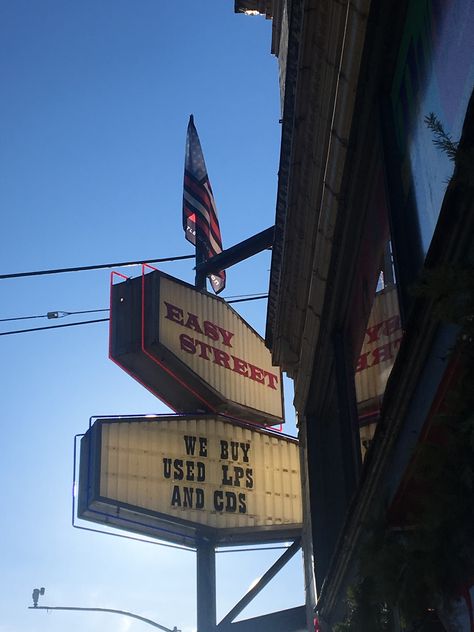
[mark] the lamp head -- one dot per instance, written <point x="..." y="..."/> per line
<point x="36" y="593"/>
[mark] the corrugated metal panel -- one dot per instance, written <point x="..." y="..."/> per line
<point x="245" y="345"/>
<point x="381" y="343"/>
<point x="133" y="455"/>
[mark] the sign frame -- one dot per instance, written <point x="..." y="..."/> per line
<point x="135" y="346"/>
<point x="93" y="506"/>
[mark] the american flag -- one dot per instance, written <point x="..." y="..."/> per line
<point x="200" y="222"/>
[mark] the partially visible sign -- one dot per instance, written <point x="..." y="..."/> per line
<point x="192" y="350"/>
<point x="180" y="478"/>
<point x="379" y="350"/>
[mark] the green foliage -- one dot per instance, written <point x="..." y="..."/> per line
<point x="365" y="611"/>
<point x="442" y="139"/>
<point x="461" y="154"/>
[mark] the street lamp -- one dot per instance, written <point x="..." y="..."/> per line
<point x="36" y="593"/>
<point x="40" y="591"/>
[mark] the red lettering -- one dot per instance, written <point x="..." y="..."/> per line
<point x="362" y="362"/>
<point x="174" y="313"/>
<point x="396" y="344"/>
<point x="187" y="344"/>
<point x="240" y="366"/>
<point x="193" y="323"/>
<point x="272" y="380"/>
<point x="210" y="330"/>
<point x="226" y="336"/>
<point x="206" y="350"/>
<point x="382" y="354"/>
<point x="391" y="325"/>
<point x="256" y="374"/>
<point x="373" y="332"/>
<point x="221" y="358"/>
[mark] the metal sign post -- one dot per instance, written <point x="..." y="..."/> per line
<point x="200" y="279"/>
<point x="206" y="586"/>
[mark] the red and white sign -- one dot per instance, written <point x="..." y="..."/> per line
<point x="193" y="350"/>
<point x="379" y="350"/>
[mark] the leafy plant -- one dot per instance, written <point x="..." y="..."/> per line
<point x="462" y="153"/>
<point x="365" y="612"/>
<point x="442" y="139"/>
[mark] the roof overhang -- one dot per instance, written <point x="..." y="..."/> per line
<point x="320" y="94"/>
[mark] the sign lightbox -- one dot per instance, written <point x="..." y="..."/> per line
<point x="192" y="350"/>
<point x="181" y="478"/>
<point x="382" y="340"/>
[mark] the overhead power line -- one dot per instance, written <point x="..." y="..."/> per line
<point x="102" y="266"/>
<point x="250" y="298"/>
<point x="54" y="315"/>
<point x="24" y="331"/>
<point x="62" y="314"/>
<point x="239" y="298"/>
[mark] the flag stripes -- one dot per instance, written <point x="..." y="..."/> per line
<point x="200" y="222"/>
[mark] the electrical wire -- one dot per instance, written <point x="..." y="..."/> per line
<point x="236" y="296"/>
<point x="252" y="298"/>
<point x="102" y="266"/>
<point x="24" y="331"/>
<point x="6" y="320"/>
<point x="56" y="314"/>
<point x="63" y="314"/>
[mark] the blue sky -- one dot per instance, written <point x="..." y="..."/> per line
<point x="96" y="97"/>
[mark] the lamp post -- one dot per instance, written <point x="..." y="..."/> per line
<point x="40" y="591"/>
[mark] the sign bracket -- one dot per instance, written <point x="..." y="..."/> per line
<point x="259" y="586"/>
<point x="235" y="254"/>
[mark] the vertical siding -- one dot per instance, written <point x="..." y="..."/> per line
<point x="132" y="454"/>
<point x="246" y="345"/>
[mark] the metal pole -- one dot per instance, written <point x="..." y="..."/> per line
<point x="206" y="586"/>
<point x="239" y="252"/>
<point x="200" y="280"/>
<point x="111" y="610"/>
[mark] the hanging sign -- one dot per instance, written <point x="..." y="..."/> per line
<point x="182" y="478"/>
<point x="192" y="350"/>
<point x="382" y="340"/>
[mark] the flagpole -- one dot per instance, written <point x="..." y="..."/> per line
<point x="200" y="222"/>
<point x="200" y="280"/>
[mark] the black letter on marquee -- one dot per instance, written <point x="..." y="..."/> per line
<point x="176" y="498"/>
<point x="178" y="469"/>
<point x="224" y="449"/>
<point x="231" y="504"/>
<point x="188" y="497"/>
<point x="202" y="446"/>
<point x="218" y="500"/>
<point x="225" y="479"/>
<point x="199" y="498"/>
<point x="245" y="449"/>
<point x="201" y="468"/>
<point x="190" y="470"/>
<point x="238" y="474"/>
<point x="190" y="443"/>
<point x="167" y="468"/>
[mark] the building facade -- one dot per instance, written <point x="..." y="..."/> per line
<point x="371" y="302"/>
